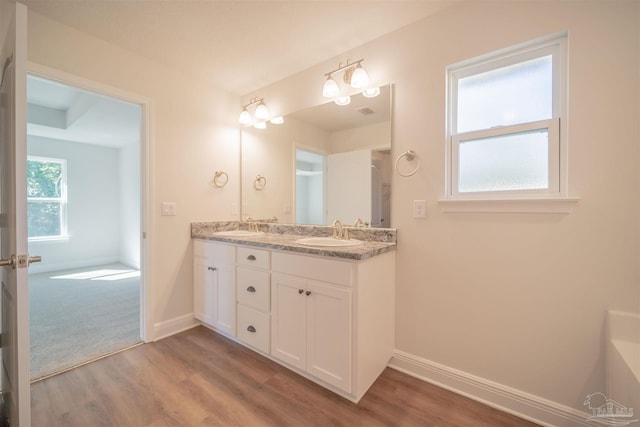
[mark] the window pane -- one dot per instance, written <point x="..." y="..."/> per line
<point x="43" y="219"/>
<point x="518" y="93"/>
<point x="510" y="162"/>
<point x="43" y="179"/>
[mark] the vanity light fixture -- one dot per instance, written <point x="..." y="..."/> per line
<point x="343" y="100"/>
<point x="354" y="75"/>
<point x="261" y="114"/>
<point x="277" y="120"/>
<point x="371" y="92"/>
<point x="260" y="125"/>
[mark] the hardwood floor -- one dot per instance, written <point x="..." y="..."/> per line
<point x="199" y="378"/>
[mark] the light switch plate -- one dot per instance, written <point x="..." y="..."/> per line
<point x="419" y="209"/>
<point x="168" y="208"/>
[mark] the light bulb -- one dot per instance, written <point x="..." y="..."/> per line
<point x="245" y="118"/>
<point x="371" y="92"/>
<point x="359" y="78"/>
<point x="330" y="89"/>
<point x="277" y="120"/>
<point x="262" y="113"/>
<point x="343" y="100"/>
<point x="260" y="125"/>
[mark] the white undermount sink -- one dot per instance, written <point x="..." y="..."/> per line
<point x="328" y="242"/>
<point x="238" y="233"/>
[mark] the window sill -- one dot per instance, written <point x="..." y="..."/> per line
<point x="552" y="205"/>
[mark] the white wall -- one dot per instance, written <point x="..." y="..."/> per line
<point x="193" y="133"/>
<point x="515" y="299"/>
<point x="372" y="136"/>
<point x="129" y="198"/>
<point x="93" y="206"/>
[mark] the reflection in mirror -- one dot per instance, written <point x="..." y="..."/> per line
<point x="324" y="163"/>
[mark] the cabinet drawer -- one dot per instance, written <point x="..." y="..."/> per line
<point x="254" y="257"/>
<point x="322" y="269"/>
<point x="219" y="252"/>
<point x="254" y="328"/>
<point x="253" y="288"/>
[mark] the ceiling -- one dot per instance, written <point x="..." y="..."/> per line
<point x="62" y="112"/>
<point x="240" y="45"/>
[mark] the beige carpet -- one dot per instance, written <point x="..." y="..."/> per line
<point x="79" y="315"/>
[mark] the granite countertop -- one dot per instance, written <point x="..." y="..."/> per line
<point x="283" y="238"/>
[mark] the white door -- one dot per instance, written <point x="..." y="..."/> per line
<point x="13" y="216"/>
<point x="329" y="334"/>
<point x="288" y="320"/>
<point x="349" y="186"/>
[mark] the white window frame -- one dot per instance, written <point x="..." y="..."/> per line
<point x="62" y="200"/>
<point x="555" y="45"/>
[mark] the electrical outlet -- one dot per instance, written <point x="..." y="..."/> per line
<point x="419" y="209"/>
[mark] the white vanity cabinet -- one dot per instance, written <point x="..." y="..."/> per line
<point x="214" y="285"/>
<point x="333" y="318"/>
<point x="328" y="318"/>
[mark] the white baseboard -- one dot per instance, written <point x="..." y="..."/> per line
<point x="174" y="326"/>
<point x="499" y="396"/>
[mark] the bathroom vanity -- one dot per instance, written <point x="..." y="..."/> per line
<point x="327" y="313"/>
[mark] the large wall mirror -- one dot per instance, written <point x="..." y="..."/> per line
<point x="323" y="163"/>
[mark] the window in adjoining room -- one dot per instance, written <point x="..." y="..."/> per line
<point x="505" y="115"/>
<point x="46" y="198"/>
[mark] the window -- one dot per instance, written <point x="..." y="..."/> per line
<point x="46" y="198"/>
<point x="505" y="115"/>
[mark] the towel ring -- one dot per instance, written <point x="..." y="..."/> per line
<point x="410" y="155"/>
<point x="260" y="182"/>
<point x="220" y="179"/>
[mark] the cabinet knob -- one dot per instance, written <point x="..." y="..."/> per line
<point x="250" y="328"/>
<point x="211" y="268"/>
<point x="251" y="258"/>
<point x="251" y="289"/>
<point x="308" y="293"/>
<point x="300" y="291"/>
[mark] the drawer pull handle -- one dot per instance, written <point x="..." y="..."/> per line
<point x="251" y="289"/>
<point x="251" y="258"/>
<point x="250" y="328"/>
<point x="300" y="291"/>
<point x="308" y="293"/>
<point x="211" y="268"/>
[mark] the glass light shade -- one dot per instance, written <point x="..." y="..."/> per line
<point x="262" y="113"/>
<point x="359" y="78"/>
<point x="277" y="120"/>
<point x="371" y="92"/>
<point x="330" y="89"/>
<point x="260" y="125"/>
<point x="343" y="100"/>
<point x="245" y="118"/>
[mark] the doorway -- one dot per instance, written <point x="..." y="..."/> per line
<point x="84" y="206"/>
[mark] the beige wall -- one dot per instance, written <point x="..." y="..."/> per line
<point x="194" y="132"/>
<point x="518" y="299"/>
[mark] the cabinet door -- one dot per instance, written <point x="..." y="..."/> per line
<point x="214" y="294"/>
<point x="288" y="320"/>
<point x="203" y="291"/>
<point x="329" y="334"/>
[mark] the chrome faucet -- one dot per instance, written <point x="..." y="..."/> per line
<point x="339" y="232"/>
<point x="252" y="226"/>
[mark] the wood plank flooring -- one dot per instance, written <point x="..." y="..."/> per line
<point x="199" y="378"/>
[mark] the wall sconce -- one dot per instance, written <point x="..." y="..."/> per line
<point x="261" y="115"/>
<point x="355" y="76"/>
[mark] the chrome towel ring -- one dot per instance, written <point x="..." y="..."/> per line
<point x="260" y="182"/>
<point x="410" y="155"/>
<point x="220" y="179"/>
